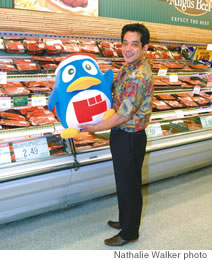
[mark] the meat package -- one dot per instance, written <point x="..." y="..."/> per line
<point x="15" y="88"/>
<point x="14" y="46"/>
<point x="28" y="67"/>
<point x="39" y="86"/>
<point x="160" y="105"/>
<point x="71" y="46"/>
<point x="201" y="101"/>
<point x="166" y="96"/>
<point x="174" y="104"/>
<point x="34" y="46"/>
<point x="8" y="68"/>
<point x="188" y="101"/>
<point x="53" y="46"/>
<point x="13" y="119"/>
<point x="89" y="47"/>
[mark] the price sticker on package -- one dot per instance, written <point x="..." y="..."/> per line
<point x="173" y="78"/>
<point x="39" y="100"/>
<point x="154" y="130"/>
<point x="29" y="150"/>
<point x="5" y="103"/>
<point x="5" y="153"/>
<point x="206" y="121"/>
<point x="3" y="77"/>
<point x="162" y="72"/>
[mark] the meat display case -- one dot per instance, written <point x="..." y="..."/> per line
<point x="38" y="166"/>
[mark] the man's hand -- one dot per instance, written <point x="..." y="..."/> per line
<point x="89" y="128"/>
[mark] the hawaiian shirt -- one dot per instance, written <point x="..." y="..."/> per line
<point x="132" y="95"/>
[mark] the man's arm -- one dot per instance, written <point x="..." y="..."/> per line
<point x="111" y="122"/>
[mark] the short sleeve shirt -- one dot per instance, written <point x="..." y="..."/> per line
<point x="133" y="89"/>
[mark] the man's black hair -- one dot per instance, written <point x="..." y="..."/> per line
<point x="137" y="27"/>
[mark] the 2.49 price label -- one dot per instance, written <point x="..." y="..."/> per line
<point x="29" y="150"/>
<point x="153" y="130"/>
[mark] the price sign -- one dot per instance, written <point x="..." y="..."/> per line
<point x="173" y="78"/>
<point x="206" y="121"/>
<point x="179" y="113"/>
<point x="196" y="90"/>
<point x="5" y="153"/>
<point x="29" y="150"/>
<point x="3" y="77"/>
<point x="162" y="72"/>
<point x="5" y="103"/>
<point x="153" y="130"/>
<point x="203" y="54"/>
<point x="39" y="100"/>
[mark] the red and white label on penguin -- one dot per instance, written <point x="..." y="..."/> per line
<point x="89" y="110"/>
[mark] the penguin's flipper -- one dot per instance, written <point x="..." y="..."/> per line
<point x="108" y="114"/>
<point x="109" y="77"/>
<point x="70" y="133"/>
<point x="53" y="99"/>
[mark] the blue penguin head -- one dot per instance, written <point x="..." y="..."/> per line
<point x="75" y="75"/>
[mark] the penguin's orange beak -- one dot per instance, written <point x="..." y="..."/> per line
<point x="83" y="83"/>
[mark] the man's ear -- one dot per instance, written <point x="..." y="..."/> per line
<point x="145" y="48"/>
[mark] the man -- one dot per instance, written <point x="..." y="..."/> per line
<point x="132" y="102"/>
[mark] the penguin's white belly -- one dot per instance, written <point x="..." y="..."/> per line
<point x="87" y="107"/>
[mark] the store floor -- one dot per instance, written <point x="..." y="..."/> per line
<point x="177" y="214"/>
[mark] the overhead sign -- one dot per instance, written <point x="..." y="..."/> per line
<point x="82" y="7"/>
<point x="191" y="13"/>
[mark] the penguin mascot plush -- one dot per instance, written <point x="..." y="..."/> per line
<point x="82" y="94"/>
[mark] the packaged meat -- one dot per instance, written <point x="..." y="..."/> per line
<point x="28" y="67"/>
<point x="160" y="105"/>
<point x="14" y="46"/>
<point x="42" y="120"/>
<point x="71" y="47"/>
<point x="13" y="116"/>
<point x="40" y="112"/>
<point x="201" y="101"/>
<point x="174" y="104"/>
<point x="166" y="96"/>
<point x="17" y="61"/>
<point x="26" y="110"/>
<point x="89" y="48"/>
<point x="15" y="88"/>
<point x="34" y="46"/>
<point x="43" y="59"/>
<point x="8" y="68"/>
<point x="188" y="102"/>
<point x="53" y="46"/>
<point x="14" y="123"/>
<point x="49" y="66"/>
<point x="108" y="52"/>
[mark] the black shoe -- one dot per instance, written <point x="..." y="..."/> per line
<point x="117" y="241"/>
<point x="114" y="224"/>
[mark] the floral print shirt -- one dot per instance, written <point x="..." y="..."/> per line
<point x="132" y="95"/>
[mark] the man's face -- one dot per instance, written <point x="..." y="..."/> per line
<point x="132" y="48"/>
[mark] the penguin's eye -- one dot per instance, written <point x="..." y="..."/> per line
<point x="68" y="73"/>
<point x="89" y="67"/>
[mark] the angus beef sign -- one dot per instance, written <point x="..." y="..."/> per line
<point x="192" y="7"/>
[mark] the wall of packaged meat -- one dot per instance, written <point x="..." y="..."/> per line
<point x="29" y="63"/>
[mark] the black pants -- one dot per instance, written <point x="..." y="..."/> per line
<point x="128" y="151"/>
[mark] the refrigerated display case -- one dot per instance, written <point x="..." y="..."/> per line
<point x="40" y="171"/>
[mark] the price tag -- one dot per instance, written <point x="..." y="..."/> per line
<point x="3" y="77"/>
<point x="162" y="72"/>
<point x="29" y="150"/>
<point x="173" y="78"/>
<point x="206" y="121"/>
<point x="154" y="130"/>
<point x="196" y="90"/>
<point x="5" y="103"/>
<point x="5" y="153"/>
<point x="209" y="47"/>
<point x="39" y="100"/>
<point x="179" y="113"/>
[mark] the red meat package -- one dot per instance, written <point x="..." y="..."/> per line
<point x="28" y="67"/>
<point x="14" y="88"/>
<point x="34" y="46"/>
<point x="14" y="46"/>
<point x="174" y="104"/>
<point x="12" y="116"/>
<point x="14" y="123"/>
<point x="8" y="68"/>
<point x="160" y="105"/>
<point x="54" y="46"/>
<point x="166" y="96"/>
<point x="188" y="102"/>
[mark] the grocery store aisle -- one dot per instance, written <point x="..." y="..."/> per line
<point x="177" y="215"/>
